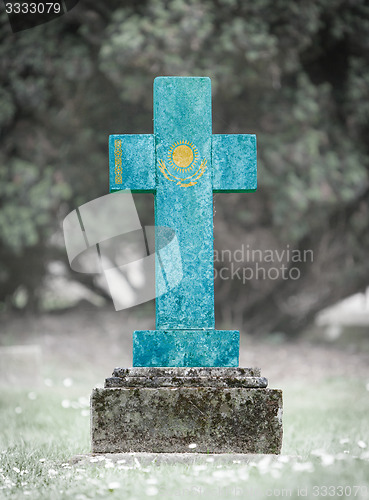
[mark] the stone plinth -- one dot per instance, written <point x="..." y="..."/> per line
<point x="221" y="410"/>
<point x="186" y="348"/>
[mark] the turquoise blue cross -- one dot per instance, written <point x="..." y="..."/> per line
<point x="183" y="164"/>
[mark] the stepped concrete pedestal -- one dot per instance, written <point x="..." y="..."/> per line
<point x="169" y="410"/>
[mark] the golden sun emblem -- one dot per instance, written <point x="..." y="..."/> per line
<point x="183" y="157"/>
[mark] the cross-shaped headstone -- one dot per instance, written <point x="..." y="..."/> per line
<point x="183" y="164"/>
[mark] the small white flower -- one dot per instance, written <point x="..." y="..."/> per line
<point x="152" y="480"/>
<point x="264" y="464"/>
<point x="199" y="467"/>
<point x="18" y="410"/>
<point x="83" y="401"/>
<point x="114" y="485"/>
<point x="65" y="403"/>
<point x="275" y="473"/>
<point x="318" y="453"/>
<point x="32" y="396"/>
<point x="67" y="382"/>
<point x="361" y="444"/>
<point x="48" y="382"/>
<point x="340" y="456"/>
<point x="344" y="440"/>
<point x="52" y="472"/>
<point x="42" y="460"/>
<point x="277" y="465"/>
<point x="303" y="467"/>
<point x="218" y="473"/>
<point x="15" y="469"/>
<point x="85" y="413"/>
<point x="109" y="465"/>
<point x="210" y="459"/>
<point x="94" y="459"/>
<point x="327" y="460"/>
<point x="152" y="491"/>
<point x="121" y="461"/>
<point x="124" y="467"/>
<point x="192" y="446"/>
<point x="26" y="492"/>
<point x="243" y="474"/>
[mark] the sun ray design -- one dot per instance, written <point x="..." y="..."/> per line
<point x="183" y="156"/>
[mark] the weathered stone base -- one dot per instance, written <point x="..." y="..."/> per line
<point x="220" y="414"/>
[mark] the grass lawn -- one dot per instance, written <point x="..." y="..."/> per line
<point x="325" y="451"/>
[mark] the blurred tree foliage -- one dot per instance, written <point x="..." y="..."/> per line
<point x="294" y="73"/>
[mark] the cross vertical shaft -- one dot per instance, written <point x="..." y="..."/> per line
<point x="182" y="123"/>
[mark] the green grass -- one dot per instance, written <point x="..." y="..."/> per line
<point x="38" y="437"/>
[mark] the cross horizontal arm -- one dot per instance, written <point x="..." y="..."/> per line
<point x="234" y="163"/>
<point x="132" y="163"/>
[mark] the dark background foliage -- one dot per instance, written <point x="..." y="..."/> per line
<point x="294" y="73"/>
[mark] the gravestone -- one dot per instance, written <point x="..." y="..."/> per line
<point x="185" y="387"/>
